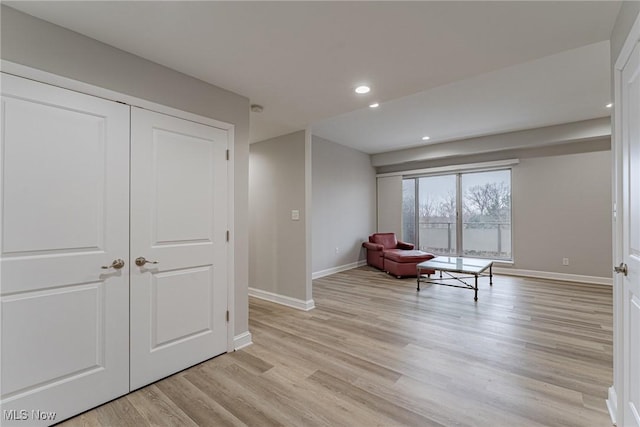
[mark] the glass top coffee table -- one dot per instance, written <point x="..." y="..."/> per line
<point x="456" y="270"/>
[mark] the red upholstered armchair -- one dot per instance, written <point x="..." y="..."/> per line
<point x="380" y="242"/>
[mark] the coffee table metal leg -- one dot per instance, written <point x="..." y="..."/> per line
<point x="491" y="275"/>
<point x="475" y="298"/>
<point x="418" y="278"/>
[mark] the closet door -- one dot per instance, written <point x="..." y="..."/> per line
<point x="178" y="225"/>
<point x="64" y="296"/>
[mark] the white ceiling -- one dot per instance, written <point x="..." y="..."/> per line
<point x="445" y="69"/>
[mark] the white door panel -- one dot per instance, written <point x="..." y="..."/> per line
<point x="30" y="200"/>
<point x="42" y="327"/>
<point x="178" y="219"/>
<point x="65" y="208"/>
<point x="183" y="180"/>
<point x="630" y="110"/>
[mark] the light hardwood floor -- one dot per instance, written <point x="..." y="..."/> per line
<point x="376" y="352"/>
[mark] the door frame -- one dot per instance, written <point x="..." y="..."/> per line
<point x="19" y="70"/>
<point x="616" y="398"/>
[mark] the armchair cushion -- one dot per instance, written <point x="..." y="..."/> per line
<point x="388" y="240"/>
<point x="398" y="255"/>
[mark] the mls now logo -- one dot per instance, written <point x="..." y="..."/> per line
<point x="15" y="415"/>
<point x="23" y="415"/>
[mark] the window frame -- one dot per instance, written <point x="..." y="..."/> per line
<point x="458" y="173"/>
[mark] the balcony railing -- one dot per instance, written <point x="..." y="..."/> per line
<point x="489" y="239"/>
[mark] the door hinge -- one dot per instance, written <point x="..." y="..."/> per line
<point x="227" y="154"/>
<point x="228" y="235"/>
<point x="227" y="315"/>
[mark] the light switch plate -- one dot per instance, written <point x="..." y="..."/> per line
<point x="295" y="215"/>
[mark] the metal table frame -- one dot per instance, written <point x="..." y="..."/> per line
<point x="450" y="265"/>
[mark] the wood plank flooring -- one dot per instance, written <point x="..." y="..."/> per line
<point x="377" y="353"/>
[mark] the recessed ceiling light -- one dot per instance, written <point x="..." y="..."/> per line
<point x="362" y="89"/>
<point x="609" y="105"/>
<point x="374" y="105"/>
<point x="426" y="138"/>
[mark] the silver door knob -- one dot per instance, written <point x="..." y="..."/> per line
<point x="622" y="268"/>
<point x="117" y="264"/>
<point x="141" y="261"/>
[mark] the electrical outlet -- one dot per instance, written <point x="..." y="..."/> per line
<point x="337" y="250"/>
<point x="565" y="261"/>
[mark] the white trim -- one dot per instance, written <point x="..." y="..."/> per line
<point x="231" y="248"/>
<point x="282" y="299"/>
<point x="454" y="168"/>
<point x="612" y="404"/>
<point x="564" y="277"/>
<point x="241" y="341"/>
<point x="338" y="269"/>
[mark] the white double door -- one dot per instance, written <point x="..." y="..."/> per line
<point x="87" y="186"/>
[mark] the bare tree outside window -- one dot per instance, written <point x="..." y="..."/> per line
<point x="409" y="210"/>
<point x="437" y="214"/>
<point x="486" y="201"/>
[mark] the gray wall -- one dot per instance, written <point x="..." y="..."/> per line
<point x="584" y="130"/>
<point x="561" y="206"/>
<point x="389" y="202"/>
<point x="278" y="244"/>
<point x="344" y="204"/>
<point x="38" y="44"/>
<point x="562" y="209"/>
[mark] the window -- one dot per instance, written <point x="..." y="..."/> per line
<point x="437" y="214"/>
<point x="409" y="210"/>
<point x="467" y="214"/>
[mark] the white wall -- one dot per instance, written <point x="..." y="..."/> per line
<point x="344" y="205"/>
<point x="278" y="244"/>
<point x="38" y="44"/>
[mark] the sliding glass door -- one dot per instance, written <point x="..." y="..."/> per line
<point x="437" y="209"/>
<point x="467" y="214"/>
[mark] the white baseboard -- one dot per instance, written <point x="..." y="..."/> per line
<point x="282" y="299"/>
<point x="334" y="270"/>
<point x="612" y="405"/>
<point x="554" y="276"/>
<point x="241" y="341"/>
